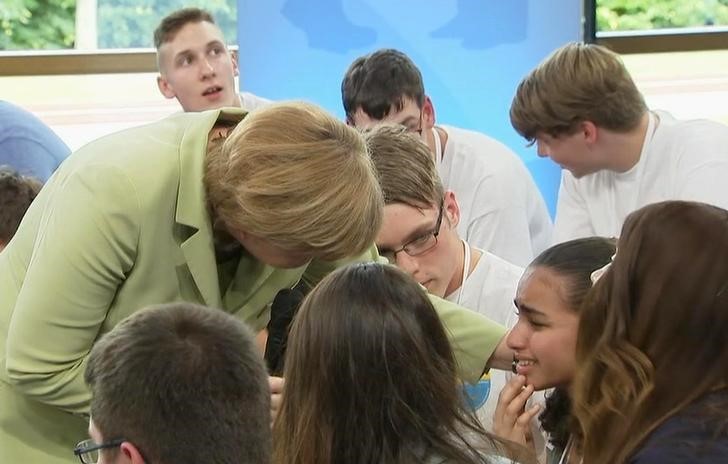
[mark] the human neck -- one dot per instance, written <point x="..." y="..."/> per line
<point x="457" y="281"/>
<point x="430" y="140"/>
<point x="623" y="149"/>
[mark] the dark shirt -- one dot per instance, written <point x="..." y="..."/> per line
<point x="696" y="435"/>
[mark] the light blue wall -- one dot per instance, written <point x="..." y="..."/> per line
<point x="472" y="54"/>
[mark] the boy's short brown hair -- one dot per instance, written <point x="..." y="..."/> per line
<point x="172" y="23"/>
<point x="404" y="164"/>
<point x="577" y="82"/>
<point x="183" y="383"/>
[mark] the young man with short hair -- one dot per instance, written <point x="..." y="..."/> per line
<point x="195" y="65"/>
<point x="501" y="209"/>
<point x="583" y="110"/>
<point x="419" y="235"/>
<point x="177" y="383"/>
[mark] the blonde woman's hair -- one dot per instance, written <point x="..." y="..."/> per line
<point x="293" y="174"/>
<point x="405" y="167"/>
<point x="577" y="82"/>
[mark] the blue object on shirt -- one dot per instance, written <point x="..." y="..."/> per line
<point x="27" y="144"/>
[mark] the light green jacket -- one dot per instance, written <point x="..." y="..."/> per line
<point x="121" y="225"/>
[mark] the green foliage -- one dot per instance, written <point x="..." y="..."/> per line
<point x="36" y="24"/>
<point x="50" y="24"/>
<point x="626" y="15"/>
<point x="131" y="23"/>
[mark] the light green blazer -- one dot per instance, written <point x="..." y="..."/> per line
<point x="123" y="224"/>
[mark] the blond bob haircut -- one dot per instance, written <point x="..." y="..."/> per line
<point x="404" y="164"/>
<point x="296" y="176"/>
<point x="576" y="83"/>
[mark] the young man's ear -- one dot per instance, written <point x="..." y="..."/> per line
<point x="428" y="113"/>
<point x="590" y="132"/>
<point x="130" y="454"/>
<point x="451" y="209"/>
<point x="165" y="88"/>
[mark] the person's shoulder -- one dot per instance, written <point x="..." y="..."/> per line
<point x="250" y="102"/>
<point x="478" y="142"/>
<point x="690" y="132"/>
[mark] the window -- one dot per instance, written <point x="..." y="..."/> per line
<point x="640" y="26"/>
<point x="91" y="36"/>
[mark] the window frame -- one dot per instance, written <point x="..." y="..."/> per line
<point x="656" y="40"/>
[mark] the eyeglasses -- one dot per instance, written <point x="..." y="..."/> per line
<point x="88" y="450"/>
<point x="418" y="245"/>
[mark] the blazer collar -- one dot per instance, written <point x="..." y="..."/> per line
<point x="192" y="211"/>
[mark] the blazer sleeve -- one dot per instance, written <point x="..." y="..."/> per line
<point x="85" y="245"/>
<point x="473" y="336"/>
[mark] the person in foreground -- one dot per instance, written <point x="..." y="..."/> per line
<point x="177" y="383"/>
<point x="222" y="208"/>
<point x="371" y="378"/>
<point x="543" y="340"/>
<point x="652" y="358"/>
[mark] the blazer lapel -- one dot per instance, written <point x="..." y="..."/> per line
<point x="198" y="244"/>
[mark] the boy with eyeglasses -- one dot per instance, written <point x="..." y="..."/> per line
<point x="501" y="208"/>
<point x="419" y="235"/>
<point x="177" y="383"/>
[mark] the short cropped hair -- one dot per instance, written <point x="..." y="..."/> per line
<point x="380" y="81"/>
<point x="17" y="192"/>
<point x="183" y="383"/>
<point x="404" y="164"/>
<point x="300" y="178"/>
<point x="578" y="82"/>
<point x="172" y="23"/>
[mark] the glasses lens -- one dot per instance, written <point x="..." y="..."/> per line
<point x="421" y="245"/>
<point x="90" y="457"/>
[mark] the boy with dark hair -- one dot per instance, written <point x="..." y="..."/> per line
<point x="178" y="383"/>
<point x="582" y="109"/>
<point x="501" y="208"/>
<point x="195" y="65"/>
<point x="16" y="194"/>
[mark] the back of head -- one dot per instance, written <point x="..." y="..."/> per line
<point x="297" y="176"/>
<point x="184" y="384"/>
<point x="652" y="334"/>
<point x="404" y="164"/>
<point x="578" y="82"/>
<point x="380" y="81"/>
<point x="172" y="23"/>
<point x="16" y="194"/>
<point x="370" y="375"/>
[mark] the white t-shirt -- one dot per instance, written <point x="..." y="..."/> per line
<point x="501" y="208"/>
<point x="250" y="102"/>
<point x="489" y="290"/>
<point x="680" y="160"/>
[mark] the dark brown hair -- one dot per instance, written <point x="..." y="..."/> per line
<point x="370" y="377"/>
<point x="652" y="336"/>
<point x="172" y="23"/>
<point x="16" y="194"/>
<point x="380" y="81"/>
<point x="184" y="384"/>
